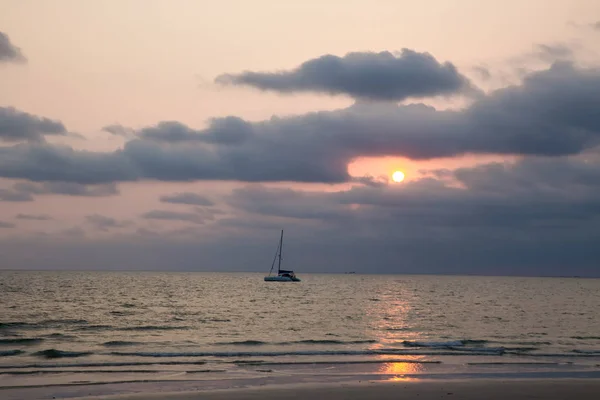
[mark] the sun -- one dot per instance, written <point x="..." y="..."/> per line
<point x="398" y="176"/>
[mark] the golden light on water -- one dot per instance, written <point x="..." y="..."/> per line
<point x="399" y="370"/>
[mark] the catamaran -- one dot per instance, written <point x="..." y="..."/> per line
<point x="282" y="275"/>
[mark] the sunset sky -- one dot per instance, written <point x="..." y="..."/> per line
<point x="183" y="135"/>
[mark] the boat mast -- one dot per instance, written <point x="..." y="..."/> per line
<point x="280" y="250"/>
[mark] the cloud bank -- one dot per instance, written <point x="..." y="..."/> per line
<point x="552" y="113"/>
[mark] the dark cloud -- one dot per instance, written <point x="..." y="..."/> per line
<point x="34" y="217"/>
<point x="46" y="162"/>
<point x="175" y="216"/>
<point x="9" y="52"/>
<point x="376" y="76"/>
<point x="187" y="198"/>
<point x="223" y="131"/>
<point x="552" y="113"/>
<point x="16" y="126"/>
<point x="529" y="194"/>
<point x="103" y="223"/>
<point x="4" y="224"/>
<point x="535" y="216"/>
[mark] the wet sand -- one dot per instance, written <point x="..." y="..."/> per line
<point x="478" y="389"/>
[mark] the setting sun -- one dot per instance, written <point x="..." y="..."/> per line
<point x="398" y="176"/>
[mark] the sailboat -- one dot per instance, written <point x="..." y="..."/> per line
<point x="282" y="275"/>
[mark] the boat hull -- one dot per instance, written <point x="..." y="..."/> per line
<point x="281" y="279"/>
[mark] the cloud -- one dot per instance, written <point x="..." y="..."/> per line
<point x="174" y="216"/>
<point x="553" y="52"/>
<point x="257" y="199"/>
<point x="502" y="216"/>
<point x="532" y="194"/>
<point x="103" y="223"/>
<point x="367" y="75"/>
<point x="46" y="162"/>
<point x="4" y="224"/>
<point x="34" y="217"/>
<point x="16" y="126"/>
<point x="67" y="189"/>
<point x="596" y="25"/>
<point x="14" y="195"/>
<point x="223" y="131"/>
<point x="25" y="191"/>
<point x="9" y="52"/>
<point x="187" y="198"/>
<point x="120" y="130"/>
<point x="483" y="72"/>
<point x="535" y="216"/>
<point x="552" y="113"/>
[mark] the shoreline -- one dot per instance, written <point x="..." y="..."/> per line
<point x="351" y="386"/>
<point x="474" y="389"/>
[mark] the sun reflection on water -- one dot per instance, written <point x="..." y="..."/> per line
<point x="397" y="371"/>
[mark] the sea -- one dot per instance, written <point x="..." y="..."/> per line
<point x="71" y="334"/>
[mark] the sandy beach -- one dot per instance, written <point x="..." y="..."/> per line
<point x="552" y="389"/>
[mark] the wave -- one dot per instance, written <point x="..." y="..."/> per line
<point x="122" y="313"/>
<point x="93" y="328"/>
<point x="42" y="324"/>
<point x="306" y="341"/>
<point x="452" y="343"/>
<point x="243" y="353"/>
<point x="329" y="341"/>
<point x="227" y="354"/>
<point x="596" y="352"/>
<point x="83" y="371"/>
<point x="337" y="362"/>
<point x="101" y="364"/>
<point x="60" y="336"/>
<point x="8" y="353"/>
<point x="513" y="363"/>
<point x="53" y="353"/>
<point x="204" y="320"/>
<point x="63" y="322"/>
<point x="528" y="343"/>
<point x="23" y="341"/>
<point x="586" y="337"/>
<point x="153" y="328"/>
<point x="120" y="343"/>
<point x="242" y="343"/>
<point x="16" y="324"/>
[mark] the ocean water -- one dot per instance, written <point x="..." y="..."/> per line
<point x="72" y="328"/>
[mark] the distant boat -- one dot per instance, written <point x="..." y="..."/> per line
<point x="282" y="275"/>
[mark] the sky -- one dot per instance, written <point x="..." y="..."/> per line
<point x="184" y="135"/>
